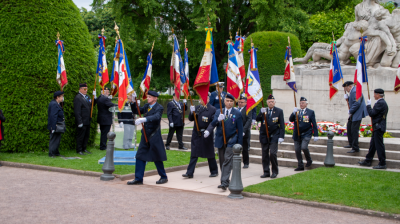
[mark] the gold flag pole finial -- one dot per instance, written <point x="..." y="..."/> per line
<point x="288" y="40"/>
<point x="185" y="42"/>
<point x="58" y="35"/>
<point x="208" y="19"/>
<point x="230" y="35"/>
<point x="152" y="46"/>
<point x="172" y="30"/>
<point x="102" y="31"/>
<point x="252" y="44"/>
<point x="333" y="36"/>
<point x="116" y="28"/>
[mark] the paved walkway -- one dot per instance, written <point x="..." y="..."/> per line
<point x="32" y="196"/>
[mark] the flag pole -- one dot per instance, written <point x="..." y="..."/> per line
<point x="220" y="108"/>
<point x="95" y="80"/>
<point x="364" y="67"/>
<point x="295" y="102"/>
<point x="183" y="117"/>
<point x="62" y="103"/>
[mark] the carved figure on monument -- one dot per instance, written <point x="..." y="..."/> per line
<point x="392" y="21"/>
<point x="316" y="52"/>
<point x="366" y="9"/>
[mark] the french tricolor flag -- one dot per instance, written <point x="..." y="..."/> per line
<point x="361" y="69"/>
<point x="289" y="75"/>
<point x="397" y="81"/>
<point x="238" y="47"/>
<point x="176" y="61"/>
<point x="234" y="79"/>
<point x="145" y="85"/>
<point x="61" y="72"/>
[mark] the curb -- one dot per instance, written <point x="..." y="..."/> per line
<point x="325" y="206"/>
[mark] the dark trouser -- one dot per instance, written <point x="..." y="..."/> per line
<point x="269" y="152"/>
<point x="103" y="137"/>
<point x="376" y="145"/>
<point x="221" y="155"/>
<point x="141" y="166"/>
<point x="299" y="146"/>
<point x="352" y="134"/>
<point x="212" y="164"/>
<point x="82" y="138"/>
<point x="55" y="139"/>
<point x="227" y="166"/>
<point x="246" y="148"/>
<point x="179" y="133"/>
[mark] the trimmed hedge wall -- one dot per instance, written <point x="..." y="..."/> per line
<point x="270" y="55"/>
<point x="28" y="63"/>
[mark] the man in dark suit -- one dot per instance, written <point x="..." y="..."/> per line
<point x="307" y="125"/>
<point x="104" y="116"/>
<point x="202" y="147"/>
<point x="276" y="130"/>
<point x="379" y="117"/>
<point x="55" y="113"/>
<point x="175" y="118"/>
<point x="246" y="130"/>
<point x="357" y="112"/>
<point x="82" y="108"/>
<point x="233" y="122"/>
<point x="153" y="150"/>
<point x="214" y="100"/>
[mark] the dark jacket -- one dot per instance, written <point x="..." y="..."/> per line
<point x="379" y="115"/>
<point x="214" y="100"/>
<point x="54" y="114"/>
<point x="276" y="125"/>
<point x="123" y="117"/>
<point x="246" y="120"/>
<point x="203" y="147"/>
<point x="104" y="115"/>
<point x="82" y="109"/>
<point x="2" y="119"/>
<point x="254" y="113"/>
<point x="175" y="112"/>
<point x="156" y="151"/>
<point x="233" y="129"/>
<point x="358" y="110"/>
<point x="307" y="124"/>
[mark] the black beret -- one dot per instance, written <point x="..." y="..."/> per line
<point x="271" y="97"/>
<point x="380" y="91"/>
<point x="303" y="99"/>
<point x="82" y="85"/>
<point x="106" y="88"/>
<point x="152" y="93"/>
<point x="58" y="93"/>
<point x="348" y="83"/>
<point x="243" y="98"/>
<point x="230" y="96"/>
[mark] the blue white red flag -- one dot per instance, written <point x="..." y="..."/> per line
<point x="114" y="74"/>
<point x="361" y="75"/>
<point x="253" y="89"/>
<point x="289" y="75"/>
<point x="61" y="72"/>
<point x="145" y="84"/>
<point x="238" y="47"/>
<point x="102" y="70"/>
<point x="335" y="73"/>
<point x="125" y="86"/>
<point x="234" y="79"/>
<point x="175" y="68"/>
<point x="186" y="84"/>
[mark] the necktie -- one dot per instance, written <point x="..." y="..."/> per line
<point x="87" y="98"/>
<point x="149" y="109"/>
<point x="301" y="113"/>
<point x="227" y="114"/>
<point x="269" y="114"/>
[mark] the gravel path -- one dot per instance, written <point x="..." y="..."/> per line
<point x="32" y="196"/>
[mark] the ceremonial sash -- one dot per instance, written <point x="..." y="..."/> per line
<point x="180" y="111"/>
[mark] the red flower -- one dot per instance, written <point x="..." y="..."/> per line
<point x="362" y="129"/>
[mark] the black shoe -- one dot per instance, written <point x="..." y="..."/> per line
<point x="353" y="151"/>
<point x="309" y="164"/>
<point x="347" y="146"/>
<point x="297" y="169"/>
<point x="52" y="157"/>
<point x="183" y="148"/>
<point x="81" y="153"/>
<point x="134" y="182"/>
<point x="162" y="181"/>
<point x="187" y="175"/>
<point x="60" y="155"/>
<point x="364" y="163"/>
<point x="265" y="175"/>
<point x="102" y="149"/>
<point x="87" y="152"/>
<point x="245" y="166"/>
<point x="213" y="175"/>
<point x="274" y="175"/>
<point x="379" y="167"/>
<point x="167" y="147"/>
<point x="222" y="187"/>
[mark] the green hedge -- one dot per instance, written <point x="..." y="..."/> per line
<point x="270" y="55"/>
<point x="28" y="63"/>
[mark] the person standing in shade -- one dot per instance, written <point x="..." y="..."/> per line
<point x="82" y="108"/>
<point x="153" y="150"/>
<point x="55" y="114"/>
<point x="357" y="112"/>
<point x="246" y="130"/>
<point x="276" y="130"/>
<point x="104" y="116"/>
<point x="233" y="123"/>
<point x="379" y="119"/>
<point x="214" y="100"/>
<point x="201" y="146"/>
<point x="175" y="118"/>
<point x="307" y="125"/>
<point x="126" y="121"/>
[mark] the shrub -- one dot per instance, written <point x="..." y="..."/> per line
<point x="28" y="63"/>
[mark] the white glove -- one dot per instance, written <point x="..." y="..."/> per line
<point x="315" y="138"/>
<point x="94" y="94"/>
<point x="140" y="121"/>
<point x="192" y="109"/>
<point x="368" y="102"/>
<point x="206" y="134"/>
<point x="263" y="110"/>
<point x="52" y="131"/>
<point x="243" y="133"/>
<point x="346" y="96"/>
<point x="295" y="110"/>
<point x="280" y="140"/>
<point x="184" y="100"/>
<point x="134" y="95"/>
<point x="349" y="112"/>
<point x="171" y="125"/>
<point x="221" y="117"/>
<point x="81" y="125"/>
<point x="138" y="103"/>
<point x="121" y="125"/>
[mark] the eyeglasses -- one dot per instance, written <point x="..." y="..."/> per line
<point x="84" y="88"/>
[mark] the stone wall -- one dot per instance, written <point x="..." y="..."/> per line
<point x="313" y="84"/>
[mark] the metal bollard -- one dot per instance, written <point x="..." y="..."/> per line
<point x="236" y="186"/>
<point x="108" y="166"/>
<point x="329" y="160"/>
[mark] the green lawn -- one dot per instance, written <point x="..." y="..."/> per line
<point x="362" y="188"/>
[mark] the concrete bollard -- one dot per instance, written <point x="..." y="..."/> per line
<point x="236" y="186"/>
<point x="329" y="160"/>
<point x="108" y="166"/>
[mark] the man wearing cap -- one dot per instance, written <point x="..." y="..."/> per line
<point x="153" y="150"/>
<point x="201" y="146"/>
<point x="214" y="100"/>
<point x="246" y="130"/>
<point x="104" y="116"/>
<point x="233" y="122"/>
<point x="126" y="121"/>
<point x="82" y="108"/>
<point x="175" y="118"/>
<point x="55" y="115"/>
<point x="378" y="115"/>
<point x="276" y="131"/>
<point x="357" y="112"/>
<point x="307" y="125"/>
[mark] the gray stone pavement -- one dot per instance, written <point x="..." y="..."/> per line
<point x="32" y="196"/>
